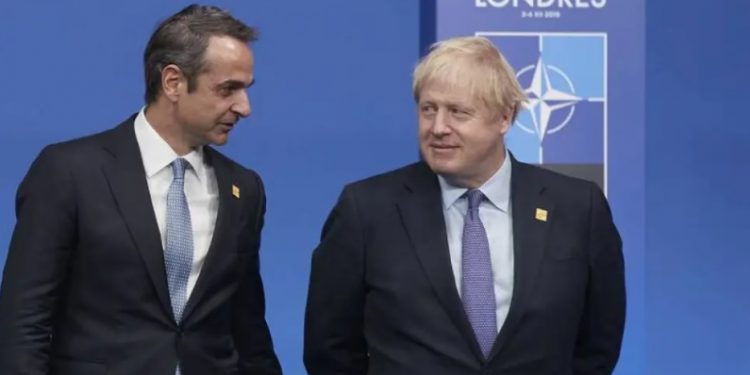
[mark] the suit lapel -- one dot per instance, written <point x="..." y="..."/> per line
<point x="226" y="217"/>
<point x="127" y="181"/>
<point x="421" y="210"/>
<point x="529" y="238"/>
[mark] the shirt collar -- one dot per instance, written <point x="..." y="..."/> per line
<point x="156" y="152"/>
<point x="496" y="189"/>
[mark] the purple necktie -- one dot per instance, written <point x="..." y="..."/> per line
<point x="477" y="290"/>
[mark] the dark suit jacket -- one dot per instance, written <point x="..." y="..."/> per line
<point x="383" y="299"/>
<point x="84" y="290"/>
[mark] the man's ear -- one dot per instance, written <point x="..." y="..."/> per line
<point x="173" y="82"/>
<point x="506" y="120"/>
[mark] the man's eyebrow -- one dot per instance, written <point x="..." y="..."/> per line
<point x="235" y="84"/>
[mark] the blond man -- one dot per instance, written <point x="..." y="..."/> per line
<point x="468" y="261"/>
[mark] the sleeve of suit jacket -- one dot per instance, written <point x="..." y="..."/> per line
<point x="35" y="269"/>
<point x="334" y="338"/>
<point x="602" y="324"/>
<point x="251" y="334"/>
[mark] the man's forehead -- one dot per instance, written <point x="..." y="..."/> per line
<point x="227" y="50"/>
<point x="459" y="93"/>
<point x="226" y="65"/>
<point x="226" y="44"/>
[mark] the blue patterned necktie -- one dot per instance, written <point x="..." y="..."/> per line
<point x="178" y="254"/>
<point x="477" y="287"/>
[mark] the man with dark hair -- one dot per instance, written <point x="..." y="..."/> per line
<point x="136" y="249"/>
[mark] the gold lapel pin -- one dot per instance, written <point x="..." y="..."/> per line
<point x="236" y="191"/>
<point x="541" y="214"/>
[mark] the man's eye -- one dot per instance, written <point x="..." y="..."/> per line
<point x="428" y="109"/>
<point x="460" y="113"/>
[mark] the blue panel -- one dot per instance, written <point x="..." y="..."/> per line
<point x="698" y="147"/>
<point x="582" y="60"/>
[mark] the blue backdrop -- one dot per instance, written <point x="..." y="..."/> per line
<point x="697" y="156"/>
<point x="332" y="104"/>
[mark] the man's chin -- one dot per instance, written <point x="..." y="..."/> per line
<point x="442" y="168"/>
<point x="219" y="140"/>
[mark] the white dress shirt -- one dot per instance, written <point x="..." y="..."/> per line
<point x="200" y="189"/>
<point x="495" y="213"/>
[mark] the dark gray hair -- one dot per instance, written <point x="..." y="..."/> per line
<point x="182" y="40"/>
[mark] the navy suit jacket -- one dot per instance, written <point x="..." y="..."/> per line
<point x="383" y="299"/>
<point x="84" y="290"/>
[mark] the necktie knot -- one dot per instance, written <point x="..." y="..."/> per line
<point x="474" y="196"/>
<point x="179" y="166"/>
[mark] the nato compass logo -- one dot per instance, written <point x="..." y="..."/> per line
<point x="563" y="125"/>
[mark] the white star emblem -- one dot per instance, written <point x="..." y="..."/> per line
<point x="543" y="99"/>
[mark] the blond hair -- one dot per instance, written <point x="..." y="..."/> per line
<point x="475" y="64"/>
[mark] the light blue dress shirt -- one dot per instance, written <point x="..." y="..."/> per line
<point x="495" y="213"/>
